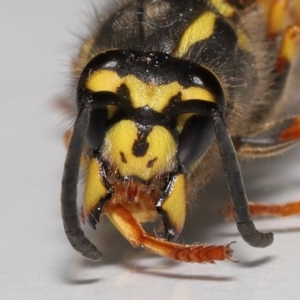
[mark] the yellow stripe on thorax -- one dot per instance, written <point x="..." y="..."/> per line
<point x="202" y="28"/>
<point x="243" y="40"/>
<point x="223" y="8"/>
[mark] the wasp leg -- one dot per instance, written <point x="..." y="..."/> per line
<point x="277" y="12"/>
<point x="271" y="139"/>
<point x="288" y="47"/>
<point x="281" y="23"/>
<point x="280" y="14"/>
<point x="295" y="10"/>
<point x="135" y="234"/>
<point x="268" y="210"/>
<point x="278" y="136"/>
<point x="172" y="206"/>
<point x="274" y="210"/>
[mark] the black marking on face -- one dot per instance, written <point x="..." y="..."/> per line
<point x="123" y="158"/>
<point x="123" y="91"/>
<point x="140" y="145"/>
<point x="151" y="162"/>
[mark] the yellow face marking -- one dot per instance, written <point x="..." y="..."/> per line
<point x="175" y="204"/>
<point x="181" y="120"/>
<point x="155" y="96"/>
<point x="243" y="40"/>
<point x="196" y="93"/>
<point x="189" y="94"/>
<point x="201" y="29"/>
<point x="118" y="149"/>
<point x="223" y="8"/>
<point x="94" y="188"/>
<point x="104" y="80"/>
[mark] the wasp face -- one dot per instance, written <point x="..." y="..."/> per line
<point x="160" y="81"/>
<point x="145" y="107"/>
<point x="146" y="102"/>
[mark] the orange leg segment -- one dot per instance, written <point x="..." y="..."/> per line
<point x="283" y="210"/>
<point x="278" y="13"/>
<point x="283" y="25"/>
<point x="292" y="133"/>
<point x="288" y="47"/>
<point x="268" y="210"/>
<point x="135" y="234"/>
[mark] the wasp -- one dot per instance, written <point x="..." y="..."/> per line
<point x="164" y="89"/>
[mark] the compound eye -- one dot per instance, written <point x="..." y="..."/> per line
<point x="194" y="140"/>
<point x="97" y="127"/>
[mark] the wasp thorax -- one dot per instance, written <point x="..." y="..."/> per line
<point x="139" y="151"/>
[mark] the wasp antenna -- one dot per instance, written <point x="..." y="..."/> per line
<point x="236" y="187"/>
<point x="69" y="188"/>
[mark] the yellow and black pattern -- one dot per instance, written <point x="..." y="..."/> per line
<point x="160" y="85"/>
<point x="210" y="33"/>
